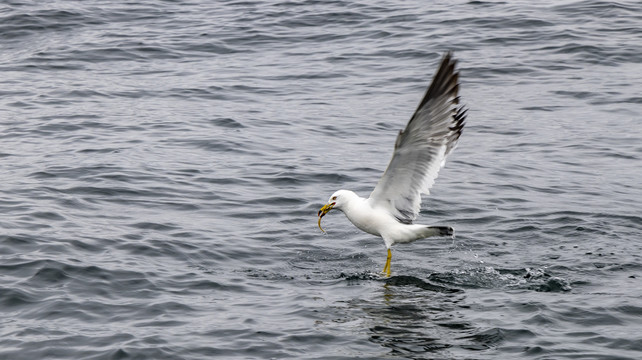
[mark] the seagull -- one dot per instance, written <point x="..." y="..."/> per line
<point x="420" y="151"/>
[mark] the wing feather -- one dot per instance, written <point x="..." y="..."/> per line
<point x="421" y="148"/>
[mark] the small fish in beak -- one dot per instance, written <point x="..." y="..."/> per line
<point x="324" y="210"/>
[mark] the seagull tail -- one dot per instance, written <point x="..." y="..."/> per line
<point x="415" y="232"/>
<point x="438" y="231"/>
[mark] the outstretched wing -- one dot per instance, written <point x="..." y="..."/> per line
<point x="421" y="148"/>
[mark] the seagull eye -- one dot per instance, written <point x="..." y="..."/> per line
<point x="334" y="198"/>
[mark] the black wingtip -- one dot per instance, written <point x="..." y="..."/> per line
<point x="445" y="81"/>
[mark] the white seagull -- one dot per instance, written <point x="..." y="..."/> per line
<point x="420" y="151"/>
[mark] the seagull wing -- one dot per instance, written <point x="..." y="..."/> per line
<point x="421" y="148"/>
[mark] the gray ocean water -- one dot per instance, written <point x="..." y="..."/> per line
<point x="162" y="164"/>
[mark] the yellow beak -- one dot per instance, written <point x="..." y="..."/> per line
<point x="324" y="210"/>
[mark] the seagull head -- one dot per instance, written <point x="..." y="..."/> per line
<point x="336" y="201"/>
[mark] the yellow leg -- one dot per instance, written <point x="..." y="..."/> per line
<point x="386" y="269"/>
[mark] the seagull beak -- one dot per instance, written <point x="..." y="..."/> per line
<point x="324" y="210"/>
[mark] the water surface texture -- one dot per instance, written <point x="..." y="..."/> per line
<point x="162" y="164"/>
